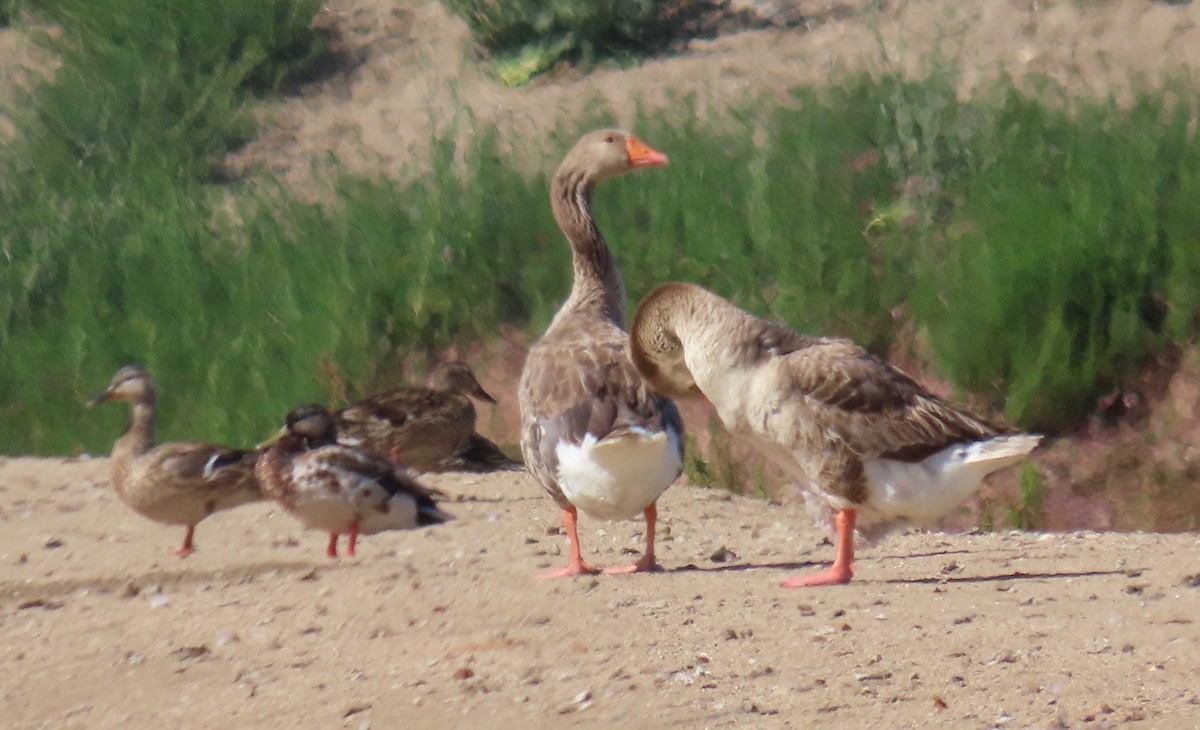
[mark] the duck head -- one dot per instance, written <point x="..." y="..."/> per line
<point x="313" y="424"/>
<point x="457" y="377"/>
<point x="131" y="383"/>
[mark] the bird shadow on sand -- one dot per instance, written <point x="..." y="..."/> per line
<point x="739" y="567"/>
<point x="1005" y="577"/>
<point x="131" y="584"/>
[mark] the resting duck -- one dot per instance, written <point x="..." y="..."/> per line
<point x="177" y="483"/>
<point x="426" y="429"/>
<point x="874" y="447"/>
<point x="337" y="488"/>
<point x="592" y="433"/>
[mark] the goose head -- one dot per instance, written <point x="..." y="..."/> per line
<point x="313" y="424"/>
<point x="655" y="347"/>
<point x="131" y="383"/>
<point x="607" y="153"/>
<point x="457" y="378"/>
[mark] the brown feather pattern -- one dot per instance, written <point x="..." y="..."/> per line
<point x="846" y="406"/>
<point x="425" y="428"/>
<point x="577" y="379"/>
<point x="179" y="482"/>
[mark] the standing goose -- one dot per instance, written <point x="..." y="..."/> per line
<point x="871" y="444"/>
<point x="428" y="428"/>
<point x="592" y="433"/>
<point x="177" y="483"/>
<point x="337" y="488"/>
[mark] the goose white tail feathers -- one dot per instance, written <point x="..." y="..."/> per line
<point x="1001" y="451"/>
<point x="924" y="492"/>
<point x="598" y="475"/>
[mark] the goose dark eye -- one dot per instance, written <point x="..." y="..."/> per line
<point x="610" y="139"/>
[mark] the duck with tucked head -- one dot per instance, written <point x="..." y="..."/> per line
<point x="874" y="448"/>
<point x="176" y="483"/>
<point x="339" y="489"/>
<point x="430" y="428"/>
<point x="592" y="433"/>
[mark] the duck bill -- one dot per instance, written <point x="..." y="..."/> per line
<point x="104" y="397"/>
<point x="270" y="440"/>
<point x="642" y="155"/>
<point x="482" y="394"/>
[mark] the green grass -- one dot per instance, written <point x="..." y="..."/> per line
<point x="526" y="37"/>
<point x="1040" y="250"/>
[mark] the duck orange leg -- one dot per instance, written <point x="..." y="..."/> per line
<point x="331" y="551"/>
<point x="646" y="563"/>
<point x="353" y="539"/>
<point x="188" y="548"/>
<point x="842" y="569"/>
<point x="575" y="565"/>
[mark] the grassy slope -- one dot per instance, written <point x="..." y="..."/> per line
<point x="1039" y="254"/>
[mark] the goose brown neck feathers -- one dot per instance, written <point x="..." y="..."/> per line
<point x="597" y="284"/>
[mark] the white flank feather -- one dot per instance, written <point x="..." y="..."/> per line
<point x="617" y="477"/>
<point x="923" y="492"/>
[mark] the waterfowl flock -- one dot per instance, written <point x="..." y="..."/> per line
<point x="599" y="429"/>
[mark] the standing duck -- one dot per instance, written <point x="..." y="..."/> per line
<point x="428" y="428"/>
<point x="592" y="433"/>
<point x="339" y="489"/>
<point x="177" y="483"/>
<point x="874" y="448"/>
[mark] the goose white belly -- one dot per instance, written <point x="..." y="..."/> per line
<point x="923" y="492"/>
<point x="617" y="477"/>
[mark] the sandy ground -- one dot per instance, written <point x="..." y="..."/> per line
<point x="102" y="628"/>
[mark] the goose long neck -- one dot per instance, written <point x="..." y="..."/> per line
<point x="137" y="439"/>
<point x="597" y="286"/>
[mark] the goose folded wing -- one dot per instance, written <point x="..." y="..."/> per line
<point x="875" y="409"/>
<point x="591" y="390"/>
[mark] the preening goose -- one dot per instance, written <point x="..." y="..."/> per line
<point x="430" y="428"/>
<point x="874" y="448"/>
<point x="176" y="483"/>
<point x="592" y="433"/>
<point x="339" y="489"/>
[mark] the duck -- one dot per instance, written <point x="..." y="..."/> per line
<point x="179" y="482"/>
<point x="592" y="432"/>
<point x="426" y="429"/>
<point x="873" y="448"/>
<point x="340" y="489"/>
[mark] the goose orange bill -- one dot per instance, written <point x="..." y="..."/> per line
<point x="641" y="155"/>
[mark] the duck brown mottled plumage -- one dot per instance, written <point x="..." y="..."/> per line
<point x="340" y="489"/>
<point x="592" y="433"/>
<point x="873" y="447"/>
<point x="176" y="483"/>
<point x="426" y="429"/>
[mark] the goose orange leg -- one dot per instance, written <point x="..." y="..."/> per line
<point x="575" y="565"/>
<point x="331" y="551"/>
<point x="646" y="563"/>
<point x="353" y="539"/>
<point x="842" y="569"/>
<point x="188" y="548"/>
